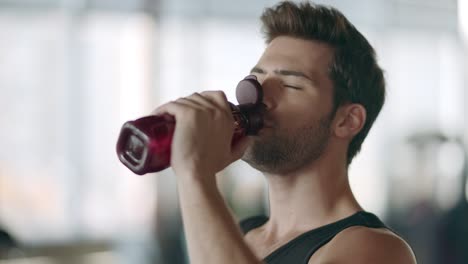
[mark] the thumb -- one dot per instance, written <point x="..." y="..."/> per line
<point x="240" y="147"/>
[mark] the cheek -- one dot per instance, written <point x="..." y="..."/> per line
<point x="303" y="111"/>
<point x="296" y="115"/>
<point x="301" y="105"/>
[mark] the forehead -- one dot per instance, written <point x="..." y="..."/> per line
<point x="298" y="54"/>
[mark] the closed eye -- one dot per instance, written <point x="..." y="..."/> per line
<point x="293" y="87"/>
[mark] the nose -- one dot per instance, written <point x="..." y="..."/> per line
<point x="271" y="91"/>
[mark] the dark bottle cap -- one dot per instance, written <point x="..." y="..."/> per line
<point x="249" y="91"/>
<point x="249" y="94"/>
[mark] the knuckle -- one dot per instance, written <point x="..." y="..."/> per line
<point x="178" y="99"/>
<point x="217" y="95"/>
<point x="220" y="94"/>
<point x="205" y="93"/>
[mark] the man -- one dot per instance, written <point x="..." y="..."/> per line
<point x="323" y="90"/>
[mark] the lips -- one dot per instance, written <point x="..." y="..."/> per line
<point x="267" y="124"/>
<point x="268" y="121"/>
<point x="265" y="127"/>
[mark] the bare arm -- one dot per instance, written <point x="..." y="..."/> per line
<point x="201" y="147"/>
<point x="211" y="232"/>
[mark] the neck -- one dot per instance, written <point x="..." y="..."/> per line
<point x="309" y="198"/>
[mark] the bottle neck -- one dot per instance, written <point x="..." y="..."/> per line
<point x="240" y="120"/>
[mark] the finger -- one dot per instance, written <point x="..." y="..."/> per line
<point x="161" y="109"/>
<point x="174" y="108"/>
<point x="203" y="100"/>
<point x="203" y="104"/>
<point x="208" y="98"/>
<point x="182" y="101"/>
<point x="219" y="98"/>
<point x="190" y="102"/>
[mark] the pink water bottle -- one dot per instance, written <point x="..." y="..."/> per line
<point x="144" y="145"/>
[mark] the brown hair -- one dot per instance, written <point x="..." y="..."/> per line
<point x="356" y="76"/>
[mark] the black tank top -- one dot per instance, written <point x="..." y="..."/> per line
<point x="300" y="249"/>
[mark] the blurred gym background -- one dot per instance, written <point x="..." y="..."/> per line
<point x="73" y="71"/>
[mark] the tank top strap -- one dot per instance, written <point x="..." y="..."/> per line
<point x="301" y="248"/>
<point x="252" y="222"/>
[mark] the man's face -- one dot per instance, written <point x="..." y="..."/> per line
<point x="299" y="98"/>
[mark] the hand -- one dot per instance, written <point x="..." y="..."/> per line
<point x="202" y="138"/>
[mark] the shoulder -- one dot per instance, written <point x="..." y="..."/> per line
<point x="363" y="245"/>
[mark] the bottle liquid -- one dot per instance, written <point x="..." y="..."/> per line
<point x="144" y="145"/>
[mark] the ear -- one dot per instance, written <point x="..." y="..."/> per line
<point x="349" y="120"/>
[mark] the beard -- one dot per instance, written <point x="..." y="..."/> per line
<point x="286" y="150"/>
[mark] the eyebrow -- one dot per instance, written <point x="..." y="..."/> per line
<point x="256" y="69"/>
